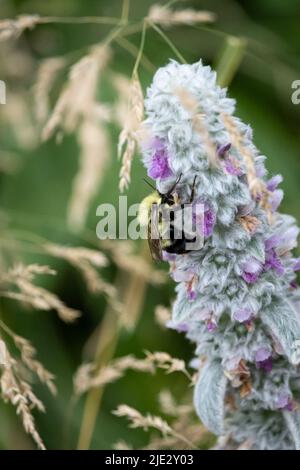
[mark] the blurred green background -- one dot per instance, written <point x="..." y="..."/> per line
<point x="34" y="198"/>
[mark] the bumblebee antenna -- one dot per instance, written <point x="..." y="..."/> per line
<point x="193" y="190"/>
<point x="175" y="184"/>
<point x="149" y="184"/>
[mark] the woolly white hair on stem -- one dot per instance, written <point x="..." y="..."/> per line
<point x="237" y="297"/>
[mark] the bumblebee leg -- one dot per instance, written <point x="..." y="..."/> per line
<point x="193" y="190"/>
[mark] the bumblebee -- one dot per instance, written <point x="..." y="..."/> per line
<point x="157" y="212"/>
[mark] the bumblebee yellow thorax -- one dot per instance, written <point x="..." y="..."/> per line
<point x="145" y="207"/>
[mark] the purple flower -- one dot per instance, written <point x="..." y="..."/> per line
<point x="283" y="242"/>
<point x="284" y="402"/>
<point x="232" y="166"/>
<point x="275" y="199"/>
<point x="263" y="359"/>
<point x="182" y="276"/>
<point x="251" y="270"/>
<point x="297" y="265"/>
<point x="272" y="242"/>
<point x="211" y="325"/>
<point x="250" y="278"/>
<point x="204" y="314"/>
<point x="274" y="182"/>
<point x="289" y="239"/>
<point x="195" y="363"/>
<point x="159" y="167"/>
<point x="209" y="221"/>
<point x="189" y="278"/>
<point x="180" y="327"/>
<point x="273" y="262"/>
<point x="266" y="365"/>
<point x="260" y="170"/>
<point x="191" y="294"/>
<point x="262" y="354"/>
<point x="243" y="315"/>
<point x="205" y="220"/>
<point x="294" y="284"/>
<point x="168" y="256"/>
<point x="223" y="149"/>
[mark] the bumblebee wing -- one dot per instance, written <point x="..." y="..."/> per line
<point x="154" y="239"/>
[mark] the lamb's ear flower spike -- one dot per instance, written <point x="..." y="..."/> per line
<point x="237" y="296"/>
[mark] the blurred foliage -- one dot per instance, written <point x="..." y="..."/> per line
<point x="35" y="197"/>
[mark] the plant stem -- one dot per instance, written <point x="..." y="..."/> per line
<point x="79" y="20"/>
<point x="230" y="59"/>
<point x="125" y="11"/>
<point x="168" y="41"/>
<point x="133" y="50"/>
<point x="141" y="49"/>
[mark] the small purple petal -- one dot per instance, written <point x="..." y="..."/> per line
<point x="274" y="182"/>
<point x="284" y="402"/>
<point x="266" y="365"/>
<point x="209" y="222"/>
<point x="154" y="143"/>
<point x="180" y="327"/>
<point x="297" y="265"/>
<point x="159" y="167"/>
<point x="250" y="278"/>
<point x="211" y="325"/>
<point x="204" y="314"/>
<point x="262" y="354"/>
<point x="275" y="199"/>
<point x="243" y="315"/>
<point x="272" y="242"/>
<point x="260" y="171"/>
<point x="223" y="149"/>
<point x="231" y="166"/>
<point x="191" y="294"/>
<point x="158" y="144"/>
<point x="289" y="406"/>
<point x="288" y="239"/>
<point x="294" y="284"/>
<point x="204" y="218"/>
<point x="273" y="262"/>
<point x="195" y="363"/>
<point x="183" y="328"/>
<point x="182" y="276"/>
<point x="251" y="270"/>
<point x="168" y="256"/>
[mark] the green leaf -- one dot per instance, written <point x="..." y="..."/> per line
<point x="283" y="321"/>
<point x="293" y="423"/>
<point x="256" y="248"/>
<point x="209" y="397"/>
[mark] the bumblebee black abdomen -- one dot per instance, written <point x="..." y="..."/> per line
<point x="177" y="245"/>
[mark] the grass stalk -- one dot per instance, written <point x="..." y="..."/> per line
<point x="230" y="59"/>
<point x="132" y="294"/>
